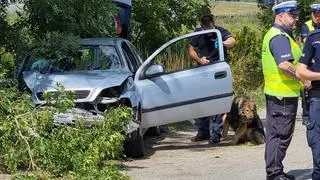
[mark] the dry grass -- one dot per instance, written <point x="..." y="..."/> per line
<point x="222" y="8"/>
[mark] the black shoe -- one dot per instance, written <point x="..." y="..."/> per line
<point x="284" y="177"/>
<point x="213" y="141"/>
<point x="199" y="138"/>
<point x="291" y="177"/>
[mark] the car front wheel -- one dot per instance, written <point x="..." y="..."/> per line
<point x="134" y="144"/>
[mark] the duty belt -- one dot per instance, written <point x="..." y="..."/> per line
<point x="314" y="93"/>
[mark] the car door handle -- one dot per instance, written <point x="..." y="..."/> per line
<point x="220" y="74"/>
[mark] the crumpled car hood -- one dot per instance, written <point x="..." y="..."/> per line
<point x="94" y="81"/>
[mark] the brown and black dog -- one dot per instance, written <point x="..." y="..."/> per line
<point x="245" y="121"/>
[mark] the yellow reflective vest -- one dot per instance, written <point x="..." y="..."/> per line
<point x="277" y="83"/>
<point x="309" y="25"/>
<point x="310" y="28"/>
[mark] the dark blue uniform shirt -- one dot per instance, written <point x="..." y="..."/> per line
<point x="311" y="55"/>
<point x="206" y="43"/>
<point x="280" y="46"/>
<point x="305" y="30"/>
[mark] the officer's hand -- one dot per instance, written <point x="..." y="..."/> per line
<point x="307" y="84"/>
<point x="204" y="60"/>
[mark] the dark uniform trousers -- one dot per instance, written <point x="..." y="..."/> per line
<point x="313" y="135"/>
<point x="280" y="122"/>
<point x="203" y="125"/>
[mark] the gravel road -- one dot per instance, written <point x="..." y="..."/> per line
<point x="174" y="156"/>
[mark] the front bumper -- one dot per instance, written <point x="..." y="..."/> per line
<point x="71" y="116"/>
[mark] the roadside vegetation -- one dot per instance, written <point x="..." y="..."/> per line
<point x="32" y="148"/>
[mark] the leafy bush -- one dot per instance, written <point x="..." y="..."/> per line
<point x="245" y="60"/>
<point x="155" y="22"/>
<point x="6" y="65"/>
<point x="90" y="18"/>
<point x="56" y="45"/>
<point x="266" y="15"/>
<point x="29" y="141"/>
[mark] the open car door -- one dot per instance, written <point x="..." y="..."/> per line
<point x="168" y="96"/>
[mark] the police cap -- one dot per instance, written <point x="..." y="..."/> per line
<point x="288" y="6"/>
<point x="315" y="8"/>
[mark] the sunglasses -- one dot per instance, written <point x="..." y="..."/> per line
<point x="293" y="15"/>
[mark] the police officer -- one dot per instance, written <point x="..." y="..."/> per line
<point x="309" y="69"/>
<point x="312" y="24"/>
<point x="308" y="27"/>
<point x="204" y="49"/>
<point x="280" y="53"/>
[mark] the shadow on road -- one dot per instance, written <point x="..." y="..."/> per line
<point x="176" y="140"/>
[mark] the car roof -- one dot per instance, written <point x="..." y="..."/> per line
<point x="100" y="41"/>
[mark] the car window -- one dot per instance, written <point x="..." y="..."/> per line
<point x="88" y="58"/>
<point x="98" y="58"/>
<point x="175" y="57"/>
<point x="130" y="58"/>
<point x="108" y="58"/>
<point x="138" y="56"/>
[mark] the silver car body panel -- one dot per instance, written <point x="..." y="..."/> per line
<point x="198" y="92"/>
<point x="93" y="81"/>
<point x="147" y="63"/>
<point x="185" y="95"/>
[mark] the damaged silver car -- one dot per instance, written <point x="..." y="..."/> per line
<point x="110" y="71"/>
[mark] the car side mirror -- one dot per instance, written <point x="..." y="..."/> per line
<point x="154" y="69"/>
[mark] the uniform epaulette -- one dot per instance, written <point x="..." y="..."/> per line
<point x="314" y="32"/>
<point x="282" y="33"/>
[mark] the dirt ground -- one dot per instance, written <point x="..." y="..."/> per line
<point x="174" y="156"/>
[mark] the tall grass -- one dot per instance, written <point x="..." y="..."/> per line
<point x="176" y="57"/>
<point x="222" y="8"/>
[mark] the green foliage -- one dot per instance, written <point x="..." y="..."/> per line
<point x="61" y="100"/>
<point x="29" y="141"/>
<point x="245" y="60"/>
<point x="266" y="15"/>
<point x="4" y="29"/>
<point x="4" y="25"/>
<point x="155" y="22"/>
<point x="19" y="127"/>
<point x="6" y="65"/>
<point x="56" y="45"/>
<point x="52" y="28"/>
<point x="88" y="18"/>
<point x="89" y="146"/>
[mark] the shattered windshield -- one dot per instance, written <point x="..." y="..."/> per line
<point x="88" y="58"/>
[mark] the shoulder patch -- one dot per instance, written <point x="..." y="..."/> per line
<point x="317" y="31"/>
<point x="281" y="35"/>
